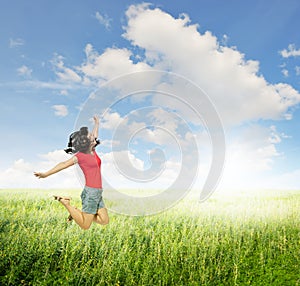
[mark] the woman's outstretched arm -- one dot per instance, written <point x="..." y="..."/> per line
<point x="96" y="126"/>
<point x="60" y="166"/>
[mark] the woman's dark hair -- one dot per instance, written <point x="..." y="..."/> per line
<point x="79" y="141"/>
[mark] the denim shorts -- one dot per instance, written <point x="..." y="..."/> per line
<point x="91" y="200"/>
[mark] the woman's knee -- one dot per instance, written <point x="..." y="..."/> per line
<point x="102" y="216"/>
<point x="87" y="221"/>
<point x="105" y="221"/>
<point x="85" y="227"/>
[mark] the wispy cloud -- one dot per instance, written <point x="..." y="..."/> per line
<point x="64" y="92"/>
<point x="63" y="73"/>
<point x="14" y="43"/>
<point x="37" y="84"/>
<point x="104" y="20"/>
<point x="291" y="51"/>
<point x="24" y="71"/>
<point x="224" y="40"/>
<point x="285" y="72"/>
<point x="60" y="110"/>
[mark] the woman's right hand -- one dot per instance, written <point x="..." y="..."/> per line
<point x="40" y="175"/>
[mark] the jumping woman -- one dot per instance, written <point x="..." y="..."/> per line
<point x="82" y="144"/>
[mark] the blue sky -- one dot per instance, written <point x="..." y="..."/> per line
<point x="55" y="54"/>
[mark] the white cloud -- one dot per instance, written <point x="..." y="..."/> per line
<point x="37" y="84"/>
<point x="64" y="92"/>
<point x="234" y="83"/>
<point x="111" y="120"/>
<point x="151" y="125"/>
<point x="225" y="40"/>
<point x="285" y="72"/>
<point x="20" y="174"/>
<point x="14" y="43"/>
<point x="104" y="20"/>
<point x="68" y="74"/>
<point x="60" y="110"/>
<point x="24" y="71"/>
<point x="112" y="63"/>
<point x="164" y="119"/>
<point x="274" y="136"/>
<point x="53" y="157"/>
<point x="63" y="73"/>
<point x="109" y="143"/>
<point x="291" y="51"/>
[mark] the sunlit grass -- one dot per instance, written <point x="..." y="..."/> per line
<point x="246" y="239"/>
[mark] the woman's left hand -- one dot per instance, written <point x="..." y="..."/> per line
<point x="96" y="119"/>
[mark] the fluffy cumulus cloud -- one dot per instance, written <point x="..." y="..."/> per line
<point x="233" y="83"/>
<point x="108" y="65"/>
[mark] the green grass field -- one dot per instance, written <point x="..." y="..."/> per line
<point x="234" y="240"/>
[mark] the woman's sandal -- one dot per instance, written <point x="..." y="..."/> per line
<point x="69" y="219"/>
<point x="59" y="198"/>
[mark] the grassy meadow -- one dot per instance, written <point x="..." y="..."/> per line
<point x="244" y="239"/>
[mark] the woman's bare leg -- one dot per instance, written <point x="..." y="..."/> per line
<point x="102" y="216"/>
<point x="84" y="220"/>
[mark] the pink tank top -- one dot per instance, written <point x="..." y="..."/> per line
<point x="90" y="165"/>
